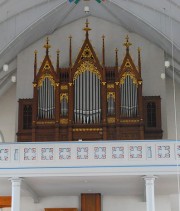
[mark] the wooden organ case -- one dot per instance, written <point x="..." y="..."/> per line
<point x="88" y="100"/>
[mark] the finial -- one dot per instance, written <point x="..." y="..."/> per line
<point x="58" y="51"/>
<point x="47" y="46"/>
<point x="139" y="59"/>
<point x="35" y="63"/>
<point x="103" y="51"/>
<point x="87" y="29"/>
<point x="116" y="60"/>
<point x="70" y="51"/>
<point x="127" y="43"/>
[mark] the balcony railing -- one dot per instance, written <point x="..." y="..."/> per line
<point x="111" y="157"/>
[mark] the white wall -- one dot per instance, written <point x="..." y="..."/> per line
<point x="8" y="106"/>
<point x="108" y="203"/>
<point x="172" y="105"/>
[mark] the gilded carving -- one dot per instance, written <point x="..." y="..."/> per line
<point x="63" y="95"/>
<point x="87" y="53"/>
<point x="46" y="66"/>
<point x="132" y="76"/>
<point x="34" y="84"/>
<point x="129" y="120"/>
<point x="64" y="87"/>
<point x="111" y="94"/>
<point x="63" y="121"/>
<point x="45" y="122"/>
<point x="86" y="66"/>
<point x="110" y="86"/>
<point x="103" y="83"/>
<point x="87" y="129"/>
<point x="46" y="75"/>
<point x="111" y="120"/>
<point x="128" y="64"/>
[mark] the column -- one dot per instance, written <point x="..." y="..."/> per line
<point x="16" y="189"/>
<point x="150" y="202"/>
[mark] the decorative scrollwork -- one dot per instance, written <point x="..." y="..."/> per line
<point x="63" y="121"/>
<point x="110" y="86"/>
<point x="64" y="87"/>
<point x="46" y="75"/>
<point x="111" y="120"/>
<point x="129" y="120"/>
<point x="132" y="76"/>
<point x="46" y="66"/>
<point x="63" y="96"/>
<point x="111" y="94"/>
<point x="87" y="53"/>
<point x="86" y="66"/>
<point x="87" y="129"/>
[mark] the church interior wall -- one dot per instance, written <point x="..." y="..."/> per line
<point x="8" y="106"/>
<point x="172" y="105"/>
<point x="113" y="203"/>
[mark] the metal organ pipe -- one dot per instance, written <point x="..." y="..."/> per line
<point x="46" y="102"/>
<point x="87" y="106"/>
<point x="128" y="98"/>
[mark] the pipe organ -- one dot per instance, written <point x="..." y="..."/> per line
<point x="88" y="100"/>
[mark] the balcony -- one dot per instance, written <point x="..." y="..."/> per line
<point x="95" y="158"/>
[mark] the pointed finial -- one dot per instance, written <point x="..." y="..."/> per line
<point x="103" y="51"/>
<point x="139" y="59"/>
<point x="47" y="46"/>
<point x="58" y="51"/>
<point x="127" y="43"/>
<point x="70" y="51"/>
<point x="87" y="29"/>
<point x="116" y="60"/>
<point x="35" y="63"/>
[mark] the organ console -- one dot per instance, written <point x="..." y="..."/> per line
<point x="88" y="100"/>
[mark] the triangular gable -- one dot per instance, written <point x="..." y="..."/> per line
<point x="46" y="68"/>
<point x="87" y="53"/>
<point x="128" y="67"/>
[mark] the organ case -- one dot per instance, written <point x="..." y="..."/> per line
<point x="88" y="100"/>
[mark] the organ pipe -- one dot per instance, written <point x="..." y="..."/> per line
<point x="87" y="104"/>
<point x="46" y="101"/>
<point x="129" y="105"/>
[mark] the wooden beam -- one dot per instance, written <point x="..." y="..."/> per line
<point x="5" y="201"/>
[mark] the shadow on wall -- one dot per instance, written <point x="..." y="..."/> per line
<point x="1" y="137"/>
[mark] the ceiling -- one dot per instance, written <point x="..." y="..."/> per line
<point x="24" y="22"/>
<point x="106" y="185"/>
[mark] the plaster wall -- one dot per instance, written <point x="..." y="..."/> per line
<point x="8" y="106"/>
<point x="173" y="108"/>
<point x="109" y="203"/>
